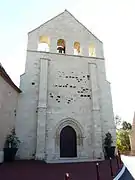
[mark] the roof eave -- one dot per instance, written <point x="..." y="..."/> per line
<point x="8" y="79"/>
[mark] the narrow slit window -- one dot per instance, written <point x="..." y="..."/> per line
<point x="44" y="44"/>
<point x="92" y="50"/>
<point x="61" y="47"/>
<point x="77" y="49"/>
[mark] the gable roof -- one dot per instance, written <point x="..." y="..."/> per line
<point x="70" y="15"/>
<point x="6" y="77"/>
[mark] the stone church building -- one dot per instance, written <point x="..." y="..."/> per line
<point x="65" y="107"/>
<point x="132" y="137"/>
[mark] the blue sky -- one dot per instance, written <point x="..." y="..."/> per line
<point x="112" y="21"/>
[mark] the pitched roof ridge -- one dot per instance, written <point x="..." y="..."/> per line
<point x="7" y="78"/>
<point x="47" y="22"/>
<point x="82" y="25"/>
<point x="72" y="16"/>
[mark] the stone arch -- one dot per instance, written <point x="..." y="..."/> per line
<point x="77" y="48"/>
<point x="61" y="46"/>
<point x="44" y="44"/>
<point x="92" y="50"/>
<point x="68" y="139"/>
<point x="75" y="125"/>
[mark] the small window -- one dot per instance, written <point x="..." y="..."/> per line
<point x="92" y="50"/>
<point x="61" y="47"/>
<point x="77" y="49"/>
<point x="44" y="44"/>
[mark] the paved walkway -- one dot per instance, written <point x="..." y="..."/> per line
<point x="129" y="162"/>
<point x="126" y="176"/>
<point x="36" y="170"/>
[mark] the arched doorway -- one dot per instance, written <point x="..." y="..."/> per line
<point x="77" y="48"/>
<point x="61" y="46"/>
<point x="44" y="44"/>
<point x="68" y="145"/>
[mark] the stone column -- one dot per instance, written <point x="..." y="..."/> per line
<point x="85" y="50"/>
<point x="95" y="110"/>
<point x="53" y="45"/>
<point x="42" y="109"/>
<point x="69" y="47"/>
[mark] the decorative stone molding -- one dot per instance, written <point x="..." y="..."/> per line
<point x="69" y="122"/>
<point x="78" y="129"/>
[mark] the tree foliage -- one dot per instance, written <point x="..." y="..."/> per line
<point x="12" y="141"/>
<point x="123" y="141"/>
<point x="108" y="140"/>
<point x="122" y="135"/>
<point x="126" y="126"/>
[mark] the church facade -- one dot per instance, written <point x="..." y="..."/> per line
<point x="65" y="108"/>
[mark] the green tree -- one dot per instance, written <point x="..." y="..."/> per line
<point x="123" y="141"/>
<point x="122" y="134"/>
<point x="126" y="126"/>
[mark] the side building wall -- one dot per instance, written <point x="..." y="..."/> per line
<point x="8" y="105"/>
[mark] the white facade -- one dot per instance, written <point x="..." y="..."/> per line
<point x="60" y="90"/>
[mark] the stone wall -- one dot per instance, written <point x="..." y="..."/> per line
<point x="69" y="95"/>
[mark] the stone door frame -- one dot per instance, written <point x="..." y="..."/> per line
<point x="79" y="135"/>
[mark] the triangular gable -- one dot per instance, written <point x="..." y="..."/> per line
<point x="83" y="26"/>
<point x="70" y="15"/>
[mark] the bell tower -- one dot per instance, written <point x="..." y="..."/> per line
<point x="66" y="99"/>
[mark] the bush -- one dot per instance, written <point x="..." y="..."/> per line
<point x="12" y="141"/>
<point x="108" y="140"/>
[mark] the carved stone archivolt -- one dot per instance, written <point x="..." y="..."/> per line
<point x="75" y="125"/>
<point x="57" y="139"/>
<point x="79" y="140"/>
